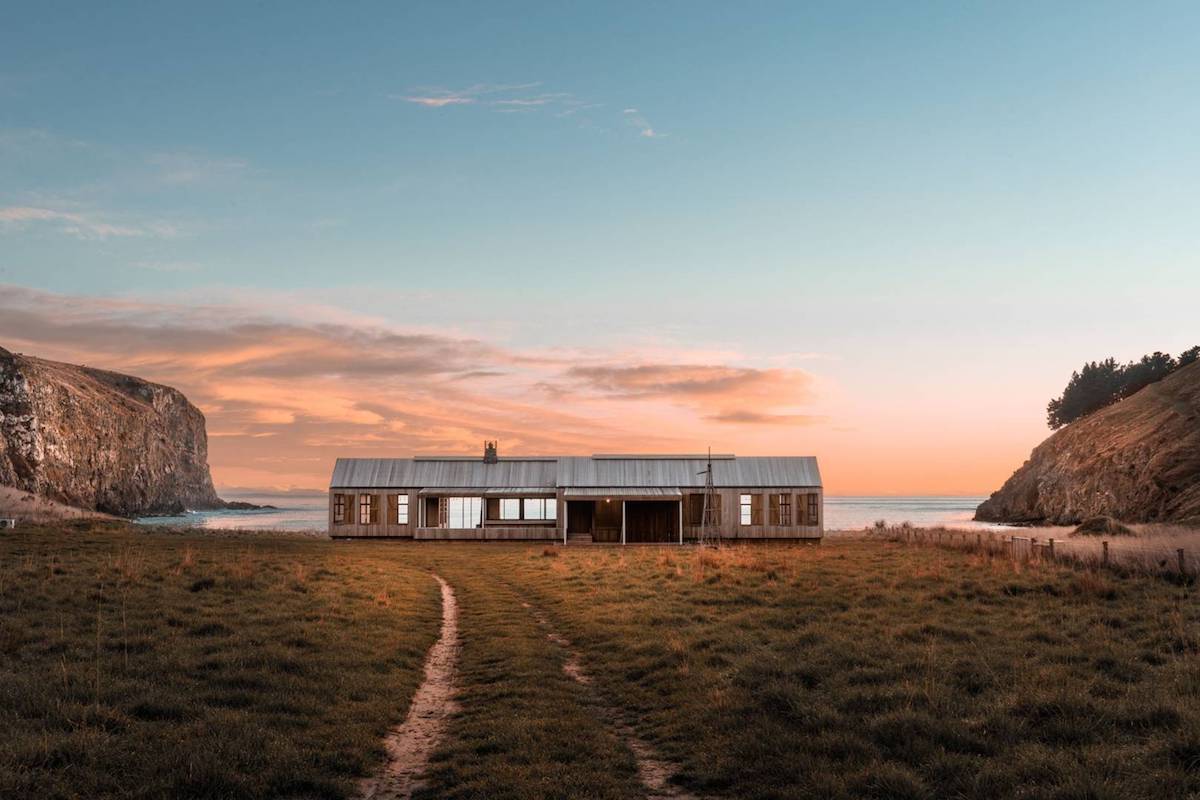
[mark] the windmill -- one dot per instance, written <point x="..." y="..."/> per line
<point x="710" y="533"/>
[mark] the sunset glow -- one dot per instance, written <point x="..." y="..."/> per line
<point x="887" y="247"/>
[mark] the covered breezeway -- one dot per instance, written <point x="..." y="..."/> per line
<point x="616" y="516"/>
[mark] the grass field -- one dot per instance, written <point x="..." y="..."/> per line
<point x="149" y="665"/>
<point x="269" y="666"/>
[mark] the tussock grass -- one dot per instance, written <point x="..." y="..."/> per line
<point x="868" y="669"/>
<point x="146" y="665"/>
<point x="525" y="729"/>
<point x="158" y="665"/>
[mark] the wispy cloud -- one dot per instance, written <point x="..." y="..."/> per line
<point x="438" y="101"/>
<point x="748" y="417"/>
<point x="636" y="119"/>
<point x="439" y="97"/>
<point x="167" y="266"/>
<point x="71" y="223"/>
<point x="518" y="99"/>
<point x="194" y="168"/>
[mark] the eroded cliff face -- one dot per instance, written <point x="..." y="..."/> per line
<point x="1137" y="460"/>
<point x="101" y="440"/>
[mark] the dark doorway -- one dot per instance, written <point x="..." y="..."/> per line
<point x="651" y="521"/>
<point x="579" y="515"/>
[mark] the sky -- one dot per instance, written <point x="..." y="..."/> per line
<point x="883" y="234"/>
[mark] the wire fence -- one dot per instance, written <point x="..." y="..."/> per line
<point x="1175" y="555"/>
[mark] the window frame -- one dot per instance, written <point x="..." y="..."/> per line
<point x="366" y="509"/>
<point x="507" y="504"/>
<point x="545" y="509"/>
<point x="339" y="509"/>
<point x="402" y="509"/>
<point x="785" y="509"/>
<point x="745" y="509"/>
<point x="814" y="512"/>
<point x="468" y="505"/>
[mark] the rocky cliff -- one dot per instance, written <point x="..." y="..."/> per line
<point x="100" y="440"/>
<point x="1137" y="460"/>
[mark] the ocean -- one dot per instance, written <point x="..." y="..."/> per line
<point x="308" y="512"/>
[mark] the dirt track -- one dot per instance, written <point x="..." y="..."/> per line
<point x="411" y="745"/>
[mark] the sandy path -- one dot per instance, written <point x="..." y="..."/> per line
<point x="654" y="773"/>
<point x="411" y="745"/>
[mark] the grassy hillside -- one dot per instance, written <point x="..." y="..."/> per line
<point x="271" y="667"/>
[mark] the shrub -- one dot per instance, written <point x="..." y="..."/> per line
<point x="1102" y="526"/>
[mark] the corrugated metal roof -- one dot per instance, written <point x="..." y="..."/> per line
<point x="506" y="491"/>
<point x="656" y="492"/>
<point x="733" y="473"/>
<point x="542" y="474"/>
<point x="466" y="473"/>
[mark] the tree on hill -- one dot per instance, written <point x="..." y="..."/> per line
<point x="1101" y="383"/>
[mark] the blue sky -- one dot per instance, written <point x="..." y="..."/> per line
<point x="933" y="211"/>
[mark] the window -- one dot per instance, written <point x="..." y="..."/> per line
<point x="464" y="512"/>
<point x="746" y="506"/>
<point x="368" y="514"/>
<point x="339" y="508"/>
<point x="781" y="510"/>
<point x="541" y="508"/>
<point x="510" y="508"/>
<point x="401" y="509"/>
<point x="813" y="513"/>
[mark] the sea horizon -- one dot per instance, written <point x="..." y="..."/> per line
<point x="306" y="510"/>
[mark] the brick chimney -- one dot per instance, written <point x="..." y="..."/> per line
<point x="489" y="453"/>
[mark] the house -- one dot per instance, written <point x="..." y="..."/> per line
<point x="601" y="498"/>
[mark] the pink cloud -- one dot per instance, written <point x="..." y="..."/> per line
<point x="302" y="393"/>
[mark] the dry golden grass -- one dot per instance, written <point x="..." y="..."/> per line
<point x="146" y="665"/>
<point x="868" y="669"/>
<point x="152" y="665"/>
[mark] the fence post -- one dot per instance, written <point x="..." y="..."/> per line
<point x="1182" y="566"/>
<point x="1052" y="549"/>
<point x="979" y="540"/>
<point x="1104" y="555"/>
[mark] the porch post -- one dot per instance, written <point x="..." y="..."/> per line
<point x="420" y="510"/>
<point x="566" y="517"/>
<point x="622" y="522"/>
<point x="681" y="520"/>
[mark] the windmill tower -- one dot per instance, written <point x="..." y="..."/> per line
<point x="710" y="533"/>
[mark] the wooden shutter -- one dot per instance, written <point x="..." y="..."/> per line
<point x="389" y="510"/>
<point x="774" y="505"/>
<point x="756" y="509"/>
<point x="351" y="516"/>
<point x="375" y="509"/>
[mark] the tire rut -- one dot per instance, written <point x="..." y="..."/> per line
<point x="654" y="772"/>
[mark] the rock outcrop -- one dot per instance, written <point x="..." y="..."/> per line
<point x="1137" y="460"/>
<point x="100" y="440"/>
